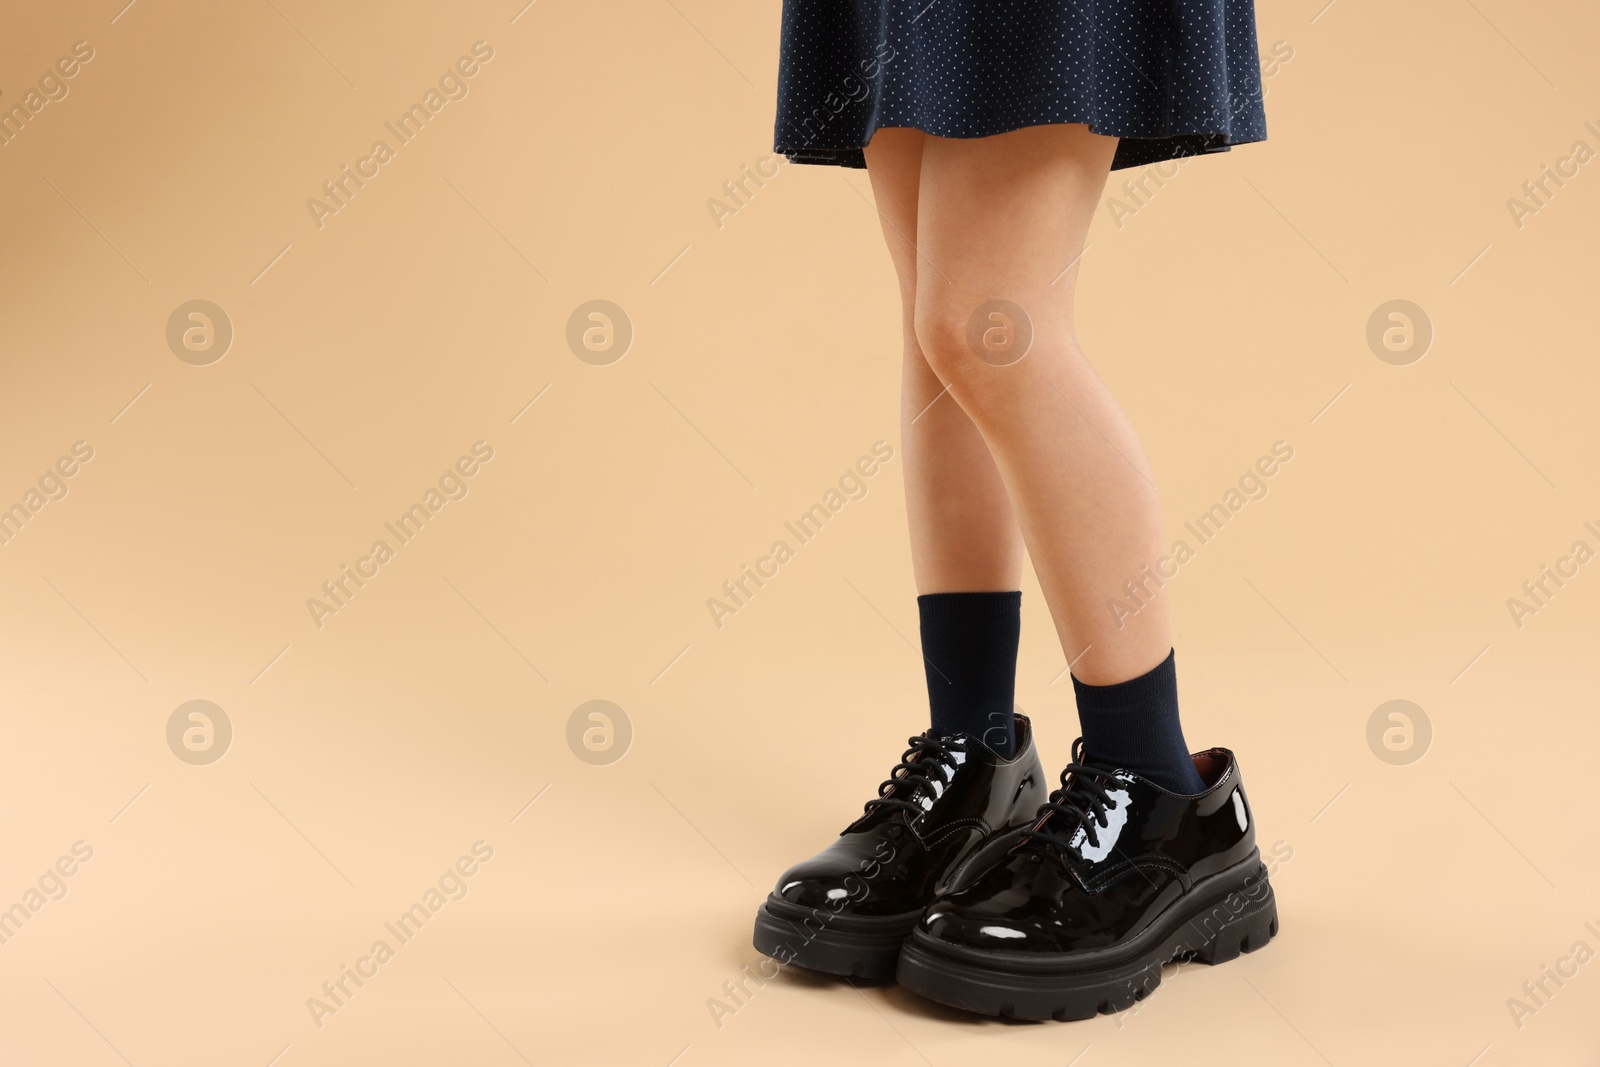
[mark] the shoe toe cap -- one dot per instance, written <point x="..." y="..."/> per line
<point x="815" y="889"/>
<point x="1024" y="904"/>
<point x="985" y="929"/>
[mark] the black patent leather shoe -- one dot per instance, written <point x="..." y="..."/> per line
<point x="1075" y="914"/>
<point x="846" y="910"/>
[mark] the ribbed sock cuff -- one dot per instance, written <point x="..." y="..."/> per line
<point x="1154" y="684"/>
<point x="1134" y="725"/>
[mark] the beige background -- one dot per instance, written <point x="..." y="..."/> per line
<point x="1228" y="312"/>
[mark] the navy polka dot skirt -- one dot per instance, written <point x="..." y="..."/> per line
<point x="1171" y="78"/>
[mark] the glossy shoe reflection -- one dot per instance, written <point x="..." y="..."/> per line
<point x="846" y="910"/>
<point x="1076" y="914"/>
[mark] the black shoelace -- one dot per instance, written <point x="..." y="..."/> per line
<point x="930" y="753"/>
<point x="1082" y="800"/>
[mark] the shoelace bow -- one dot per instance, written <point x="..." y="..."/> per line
<point x="1082" y="800"/>
<point x="932" y="752"/>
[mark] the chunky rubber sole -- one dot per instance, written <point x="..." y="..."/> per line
<point x="849" y="946"/>
<point x="1230" y="913"/>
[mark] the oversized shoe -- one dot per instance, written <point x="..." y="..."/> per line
<point x="1076" y="914"/>
<point x="846" y="910"/>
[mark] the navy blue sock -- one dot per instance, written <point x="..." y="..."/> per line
<point x="1133" y="726"/>
<point x="969" y="653"/>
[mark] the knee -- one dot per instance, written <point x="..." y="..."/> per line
<point x="941" y="331"/>
<point x="973" y="350"/>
